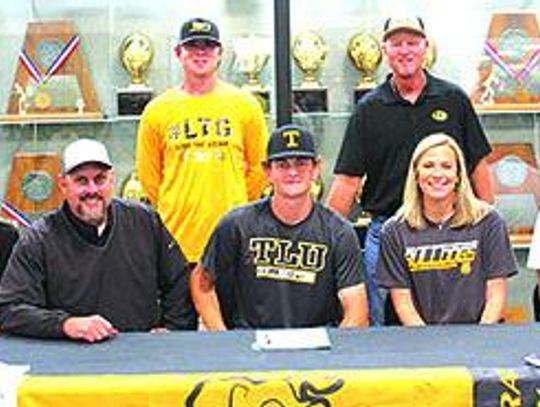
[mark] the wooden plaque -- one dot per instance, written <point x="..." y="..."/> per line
<point x="512" y="44"/>
<point x="52" y="79"/>
<point x="32" y="186"/>
<point x="517" y="185"/>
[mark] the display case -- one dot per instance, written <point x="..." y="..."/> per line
<point x="103" y="25"/>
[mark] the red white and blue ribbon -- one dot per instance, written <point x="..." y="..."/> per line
<point x="14" y="214"/>
<point x="520" y="75"/>
<point x="529" y="66"/>
<point x="57" y="64"/>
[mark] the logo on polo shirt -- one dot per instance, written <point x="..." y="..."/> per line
<point x="439" y="115"/>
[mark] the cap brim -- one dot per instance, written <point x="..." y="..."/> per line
<point x="75" y="166"/>
<point x="292" y="154"/>
<point x="200" y="38"/>
<point x="406" y="29"/>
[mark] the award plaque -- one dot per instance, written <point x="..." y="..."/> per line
<point x="516" y="186"/>
<point x="136" y="53"/>
<point x="52" y="79"/>
<point x="309" y="52"/>
<point x="513" y="46"/>
<point x="365" y="54"/>
<point x="251" y="54"/>
<point x="32" y="186"/>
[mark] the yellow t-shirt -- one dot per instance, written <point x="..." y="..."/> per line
<point x="200" y="156"/>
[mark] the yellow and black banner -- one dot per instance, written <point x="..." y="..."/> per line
<point x="436" y="387"/>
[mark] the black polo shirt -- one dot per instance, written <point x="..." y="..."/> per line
<point x="385" y="128"/>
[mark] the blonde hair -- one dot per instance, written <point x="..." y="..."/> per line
<point x="468" y="209"/>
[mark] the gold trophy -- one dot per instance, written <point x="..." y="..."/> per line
<point x="136" y="53"/>
<point x="251" y="54"/>
<point x="365" y="53"/>
<point x="132" y="189"/>
<point x="431" y="55"/>
<point x="486" y="84"/>
<point x="309" y="52"/>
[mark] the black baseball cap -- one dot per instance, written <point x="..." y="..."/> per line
<point x="199" y="29"/>
<point x="291" y="140"/>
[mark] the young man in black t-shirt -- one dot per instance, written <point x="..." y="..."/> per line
<point x="284" y="261"/>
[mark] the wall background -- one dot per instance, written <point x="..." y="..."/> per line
<point x="459" y="28"/>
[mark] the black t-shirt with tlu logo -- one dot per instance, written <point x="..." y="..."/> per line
<point x="384" y="130"/>
<point x="445" y="268"/>
<point x="269" y="274"/>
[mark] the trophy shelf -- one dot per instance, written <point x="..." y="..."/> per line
<point x="520" y="240"/>
<point x="49" y="117"/>
<point x="508" y="108"/>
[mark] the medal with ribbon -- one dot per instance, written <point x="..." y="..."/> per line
<point x="57" y="63"/>
<point x="13" y="213"/>
<point x="519" y="75"/>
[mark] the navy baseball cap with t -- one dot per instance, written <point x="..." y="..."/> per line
<point x="198" y="29"/>
<point x="291" y="140"/>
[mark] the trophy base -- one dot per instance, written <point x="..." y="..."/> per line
<point x="310" y="100"/>
<point x="263" y="96"/>
<point x="359" y="93"/>
<point x="132" y="102"/>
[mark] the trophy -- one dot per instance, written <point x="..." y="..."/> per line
<point x="512" y="44"/>
<point x="484" y="89"/>
<point x="32" y="186"/>
<point x="52" y="79"/>
<point x="132" y="189"/>
<point x="309" y="52"/>
<point x="251" y="56"/>
<point x="136" y="53"/>
<point x="365" y="53"/>
<point x="516" y="186"/>
<point x="431" y="55"/>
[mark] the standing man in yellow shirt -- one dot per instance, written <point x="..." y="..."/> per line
<point x="200" y="145"/>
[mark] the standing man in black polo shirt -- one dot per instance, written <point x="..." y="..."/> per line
<point x="384" y="129"/>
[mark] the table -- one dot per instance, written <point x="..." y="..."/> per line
<point x="391" y="366"/>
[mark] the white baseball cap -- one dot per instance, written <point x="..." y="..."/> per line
<point x="84" y="151"/>
<point x="411" y="24"/>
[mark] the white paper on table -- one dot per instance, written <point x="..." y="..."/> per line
<point x="11" y="377"/>
<point x="291" y="339"/>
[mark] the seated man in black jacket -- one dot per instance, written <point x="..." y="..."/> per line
<point x="95" y="266"/>
<point x="8" y="237"/>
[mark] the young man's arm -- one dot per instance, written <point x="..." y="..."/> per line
<point x="354" y="303"/>
<point x="203" y="292"/>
